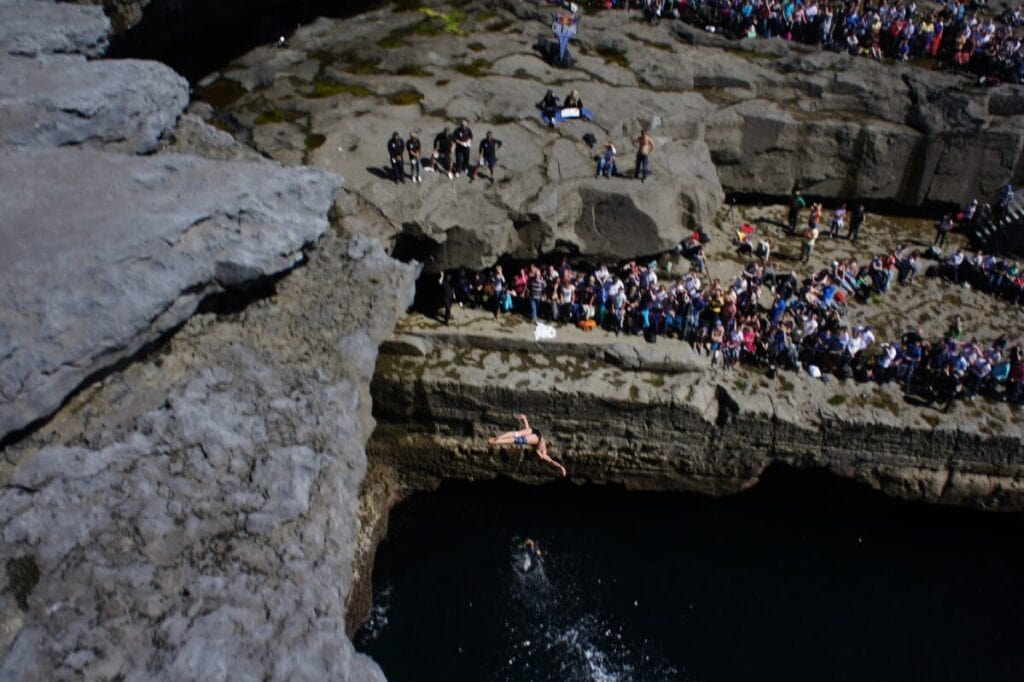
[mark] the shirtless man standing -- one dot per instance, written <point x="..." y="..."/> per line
<point x="644" y="146"/>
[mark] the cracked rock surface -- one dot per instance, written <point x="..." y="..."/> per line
<point x="759" y="117"/>
<point x="191" y="515"/>
<point x="137" y="242"/>
<point x="210" y="494"/>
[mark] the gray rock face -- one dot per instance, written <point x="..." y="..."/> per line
<point x="137" y="243"/>
<point x="34" y="27"/>
<point x="122" y="105"/>
<point x="215" y="503"/>
<point x="621" y="411"/>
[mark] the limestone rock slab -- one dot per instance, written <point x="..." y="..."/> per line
<point x="104" y="253"/>
<point x="33" y="27"/>
<point x="121" y="105"/>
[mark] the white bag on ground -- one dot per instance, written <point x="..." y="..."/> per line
<point x="543" y="331"/>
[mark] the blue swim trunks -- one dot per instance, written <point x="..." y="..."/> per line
<point x="520" y="440"/>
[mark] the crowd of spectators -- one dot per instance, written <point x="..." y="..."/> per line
<point x="804" y="328"/>
<point x="955" y="32"/>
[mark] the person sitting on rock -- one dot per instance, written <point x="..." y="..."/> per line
<point x="396" y="151"/>
<point x="606" y="165"/>
<point x="530" y="437"/>
<point x="548" y="108"/>
<point x="573" y="101"/>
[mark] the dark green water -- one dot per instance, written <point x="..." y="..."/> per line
<point x="804" y="578"/>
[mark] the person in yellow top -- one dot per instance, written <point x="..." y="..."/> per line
<point x="809" y="239"/>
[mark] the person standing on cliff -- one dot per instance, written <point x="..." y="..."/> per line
<point x="530" y="437"/>
<point x="489" y="152"/>
<point x="809" y="239"/>
<point x="413" y="146"/>
<point x="644" y="144"/>
<point x="396" y="152"/>
<point x="856" y="221"/>
<point x="463" y="138"/>
<point x="796" y="202"/>
<point x="447" y="295"/>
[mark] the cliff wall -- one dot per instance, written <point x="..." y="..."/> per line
<point x="618" y="411"/>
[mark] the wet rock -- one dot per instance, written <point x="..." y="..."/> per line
<point x="138" y="242"/>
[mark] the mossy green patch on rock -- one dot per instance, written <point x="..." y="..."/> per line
<point x="499" y="26"/>
<point x="392" y="41"/>
<point x="221" y="93"/>
<point x="406" y="97"/>
<point x="613" y="54"/>
<point x="314" y="141"/>
<point x="478" y="68"/>
<point x="328" y="87"/>
<point x="752" y="56"/>
<point x="438" y="23"/>
<point x="355" y="63"/>
<point x="278" y="116"/>
<point x="412" y="70"/>
<point x="502" y="119"/>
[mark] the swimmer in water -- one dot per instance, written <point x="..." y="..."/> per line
<point x="530" y="437"/>
<point x="532" y="555"/>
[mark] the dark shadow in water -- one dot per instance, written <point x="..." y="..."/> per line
<point x="806" y="577"/>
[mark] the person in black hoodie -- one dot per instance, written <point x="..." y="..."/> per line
<point x="412" y="145"/>
<point x="489" y="152"/>
<point x="396" y="151"/>
<point x="442" y="157"/>
<point x="548" y="107"/>
<point x="463" y="138"/>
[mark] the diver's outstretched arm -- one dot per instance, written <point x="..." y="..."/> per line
<point x="526" y="423"/>
<point x="542" y="452"/>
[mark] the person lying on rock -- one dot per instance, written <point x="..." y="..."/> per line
<point x="527" y="436"/>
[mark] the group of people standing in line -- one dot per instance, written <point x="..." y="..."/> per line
<point x="450" y="154"/>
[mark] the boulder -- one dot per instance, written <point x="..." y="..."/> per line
<point x="135" y="244"/>
<point x="32" y="27"/>
<point x="123" y="105"/>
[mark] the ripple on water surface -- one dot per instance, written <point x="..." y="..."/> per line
<point x="780" y="583"/>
